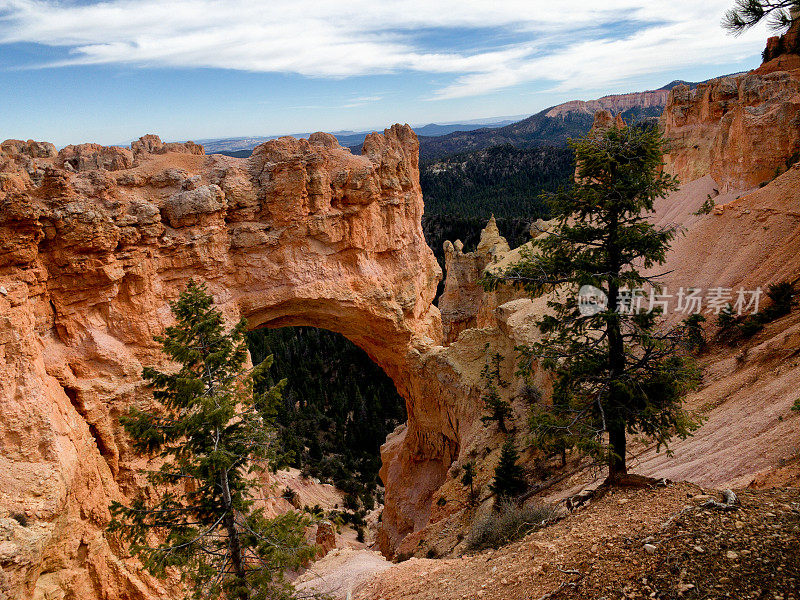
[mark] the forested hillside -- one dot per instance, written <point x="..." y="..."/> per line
<point x="338" y="407"/>
<point x="462" y="191"/>
<point x="503" y="180"/>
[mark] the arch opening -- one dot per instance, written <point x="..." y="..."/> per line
<point x="338" y="407"/>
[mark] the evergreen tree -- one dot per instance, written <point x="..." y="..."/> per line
<point x="508" y="477"/>
<point x="498" y="409"/>
<point x="211" y="435"/>
<point x="468" y="481"/>
<point x="747" y="13"/>
<point x="614" y="368"/>
<point x="783" y="298"/>
<point x="695" y="340"/>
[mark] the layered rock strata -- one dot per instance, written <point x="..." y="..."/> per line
<point x="615" y="103"/>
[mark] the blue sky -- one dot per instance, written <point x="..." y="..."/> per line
<point x="79" y="71"/>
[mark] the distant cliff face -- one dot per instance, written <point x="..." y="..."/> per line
<point x="616" y="103"/>
<point x="94" y="243"/>
<point x="783" y="52"/>
<point x="742" y="130"/>
<point x="552" y="126"/>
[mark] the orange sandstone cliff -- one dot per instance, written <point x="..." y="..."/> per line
<point x="743" y="130"/>
<point x="615" y="103"/>
<point x="95" y="241"/>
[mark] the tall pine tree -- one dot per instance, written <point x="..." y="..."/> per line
<point x="211" y="435"/>
<point x="615" y="370"/>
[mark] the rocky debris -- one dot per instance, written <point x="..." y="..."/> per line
<point x="730" y="501"/>
<point x="704" y="553"/>
<point x="628" y="544"/>
<point x="85" y="157"/>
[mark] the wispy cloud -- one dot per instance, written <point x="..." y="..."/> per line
<point x="362" y="101"/>
<point x="554" y="42"/>
<point x="353" y="103"/>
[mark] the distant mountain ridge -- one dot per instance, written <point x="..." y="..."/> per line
<point x="350" y="138"/>
<point x="553" y="125"/>
<point x="615" y="103"/>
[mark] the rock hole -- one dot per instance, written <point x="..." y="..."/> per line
<point x="337" y="409"/>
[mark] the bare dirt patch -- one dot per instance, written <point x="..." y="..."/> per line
<point x="599" y="552"/>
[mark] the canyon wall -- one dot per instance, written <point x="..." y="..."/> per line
<point x="94" y="243"/>
<point x="743" y="130"/>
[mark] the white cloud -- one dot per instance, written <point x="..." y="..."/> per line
<point x="359" y="37"/>
<point x="361" y="101"/>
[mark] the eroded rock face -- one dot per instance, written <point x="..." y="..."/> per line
<point x="302" y="233"/>
<point x="615" y="103"/>
<point x="464" y="303"/>
<point x="152" y="144"/>
<point x="783" y="52"/>
<point x="88" y="157"/>
<point x="740" y="129"/>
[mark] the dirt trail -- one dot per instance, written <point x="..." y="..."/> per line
<point x="340" y="572"/>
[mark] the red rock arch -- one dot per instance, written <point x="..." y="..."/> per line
<point x="95" y="241"/>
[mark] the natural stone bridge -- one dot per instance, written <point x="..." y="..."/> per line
<point x="95" y="241"/>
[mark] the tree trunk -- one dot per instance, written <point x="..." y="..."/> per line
<point x="501" y="423"/>
<point x="234" y="545"/>
<point x="615" y="411"/>
<point x="617" y="468"/>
